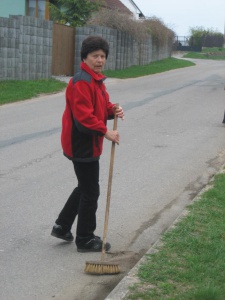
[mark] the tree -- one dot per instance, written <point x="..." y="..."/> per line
<point x="72" y="12"/>
<point x="206" y="37"/>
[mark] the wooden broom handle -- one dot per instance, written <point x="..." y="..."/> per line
<point x="109" y="187"/>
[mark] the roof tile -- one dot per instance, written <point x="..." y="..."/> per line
<point x="114" y="4"/>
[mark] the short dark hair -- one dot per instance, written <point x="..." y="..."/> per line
<point x="93" y="43"/>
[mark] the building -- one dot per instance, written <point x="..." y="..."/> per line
<point x="137" y="13"/>
<point x="114" y="4"/>
<point x="40" y="8"/>
<point x="36" y="8"/>
<point x="125" y="6"/>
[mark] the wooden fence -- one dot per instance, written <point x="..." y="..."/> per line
<point x="63" y="47"/>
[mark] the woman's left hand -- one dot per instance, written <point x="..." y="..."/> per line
<point x="119" y="112"/>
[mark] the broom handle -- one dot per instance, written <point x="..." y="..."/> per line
<point x="109" y="188"/>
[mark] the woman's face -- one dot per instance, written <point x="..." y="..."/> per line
<point x="96" y="60"/>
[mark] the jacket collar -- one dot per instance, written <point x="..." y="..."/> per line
<point x="98" y="77"/>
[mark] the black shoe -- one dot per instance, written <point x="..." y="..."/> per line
<point x="58" y="232"/>
<point x="93" y="245"/>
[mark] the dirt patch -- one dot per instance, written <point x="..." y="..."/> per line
<point x="126" y="259"/>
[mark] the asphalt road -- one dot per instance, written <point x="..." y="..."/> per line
<point x="172" y="142"/>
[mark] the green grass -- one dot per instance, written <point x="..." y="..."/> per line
<point x="12" y="91"/>
<point x="190" y="264"/>
<point x="208" y="53"/>
<point x="17" y="90"/>
<point x="152" y="68"/>
<point x="213" y="49"/>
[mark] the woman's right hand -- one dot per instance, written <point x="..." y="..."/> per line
<point x="113" y="135"/>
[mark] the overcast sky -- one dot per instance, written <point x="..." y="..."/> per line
<point x="181" y="15"/>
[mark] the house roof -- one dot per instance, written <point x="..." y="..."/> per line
<point x="114" y="4"/>
<point x="141" y="15"/>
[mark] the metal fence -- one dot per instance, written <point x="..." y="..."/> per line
<point x="186" y="43"/>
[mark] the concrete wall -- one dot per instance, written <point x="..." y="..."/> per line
<point x="26" y="48"/>
<point x="124" y="50"/>
<point x="12" y="7"/>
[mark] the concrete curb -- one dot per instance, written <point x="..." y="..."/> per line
<point x="122" y="289"/>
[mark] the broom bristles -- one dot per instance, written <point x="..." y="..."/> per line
<point x="100" y="268"/>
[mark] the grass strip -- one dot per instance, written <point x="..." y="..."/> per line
<point x="199" y="55"/>
<point x="214" y="53"/>
<point x="190" y="264"/>
<point x="17" y="90"/>
<point x="149" y="69"/>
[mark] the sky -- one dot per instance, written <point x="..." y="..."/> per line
<point x="180" y="15"/>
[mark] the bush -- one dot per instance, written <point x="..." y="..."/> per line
<point x="140" y="30"/>
<point x="120" y="21"/>
<point x="206" y="37"/>
<point x="159" y="32"/>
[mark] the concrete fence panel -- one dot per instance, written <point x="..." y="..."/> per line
<point x="27" y="49"/>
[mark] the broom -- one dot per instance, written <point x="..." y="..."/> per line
<point x="101" y="267"/>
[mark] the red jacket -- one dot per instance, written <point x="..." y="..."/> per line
<point x="85" y="116"/>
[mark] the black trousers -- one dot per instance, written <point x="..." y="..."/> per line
<point x="83" y="201"/>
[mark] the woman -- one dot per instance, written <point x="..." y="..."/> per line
<point x="83" y="130"/>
